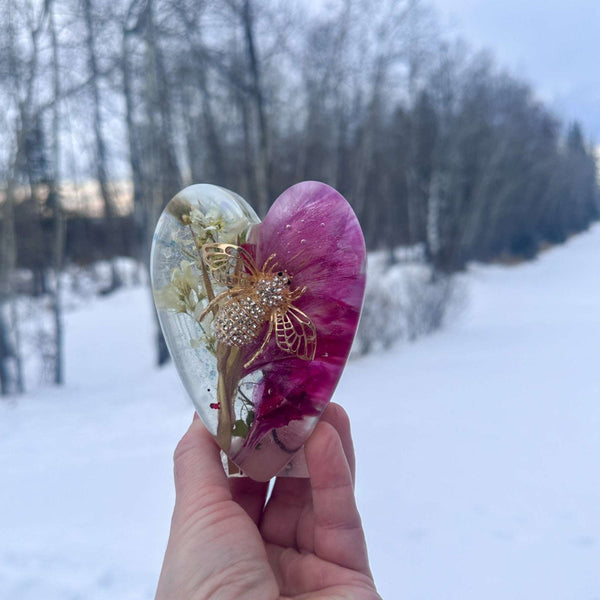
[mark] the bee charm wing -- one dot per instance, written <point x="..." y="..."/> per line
<point x="229" y="265"/>
<point x="295" y="333"/>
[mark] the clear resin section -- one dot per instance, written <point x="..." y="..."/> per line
<point x="200" y="214"/>
<point x="259" y="317"/>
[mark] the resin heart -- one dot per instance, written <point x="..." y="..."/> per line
<point x="259" y="317"/>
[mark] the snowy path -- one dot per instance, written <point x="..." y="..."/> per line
<point x="478" y="450"/>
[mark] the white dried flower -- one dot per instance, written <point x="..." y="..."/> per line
<point x="184" y="293"/>
<point x="213" y="227"/>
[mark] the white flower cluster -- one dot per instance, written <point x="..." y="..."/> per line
<point x="209" y="226"/>
<point x="184" y="293"/>
<point x="212" y="227"/>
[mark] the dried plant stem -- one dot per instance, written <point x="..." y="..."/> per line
<point x="210" y="294"/>
<point x="229" y="367"/>
<point x="209" y="291"/>
<point x="232" y="468"/>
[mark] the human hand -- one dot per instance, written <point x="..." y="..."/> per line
<point x="306" y="543"/>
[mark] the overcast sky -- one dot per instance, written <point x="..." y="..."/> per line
<point x="554" y="44"/>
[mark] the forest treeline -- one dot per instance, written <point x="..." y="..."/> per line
<point x="432" y="143"/>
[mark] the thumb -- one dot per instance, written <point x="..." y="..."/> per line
<point x="200" y="480"/>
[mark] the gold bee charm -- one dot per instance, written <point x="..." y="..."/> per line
<point x="255" y="297"/>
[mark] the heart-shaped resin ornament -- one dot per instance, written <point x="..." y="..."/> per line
<point x="259" y="317"/>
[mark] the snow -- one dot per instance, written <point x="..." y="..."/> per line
<point x="478" y="449"/>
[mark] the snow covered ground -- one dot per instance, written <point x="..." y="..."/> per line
<point x="478" y="449"/>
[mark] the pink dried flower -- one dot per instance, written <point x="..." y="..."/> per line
<point x="317" y="239"/>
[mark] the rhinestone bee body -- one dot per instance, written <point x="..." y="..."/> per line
<point x="255" y="297"/>
<point x="241" y="318"/>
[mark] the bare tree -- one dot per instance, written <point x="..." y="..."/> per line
<point x="101" y="153"/>
<point x="54" y="200"/>
<point x="22" y="74"/>
<point x="264" y="190"/>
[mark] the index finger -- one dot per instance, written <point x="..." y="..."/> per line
<point x="338" y="533"/>
<point x="338" y="417"/>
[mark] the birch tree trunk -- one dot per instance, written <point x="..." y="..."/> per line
<point x="263" y="172"/>
<point x="58" y="220"/>
<point x="168" y="180"/>
<point x="100" y="143"/>
<point x="135" y="160"/>
<point x="8" y="383"/>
